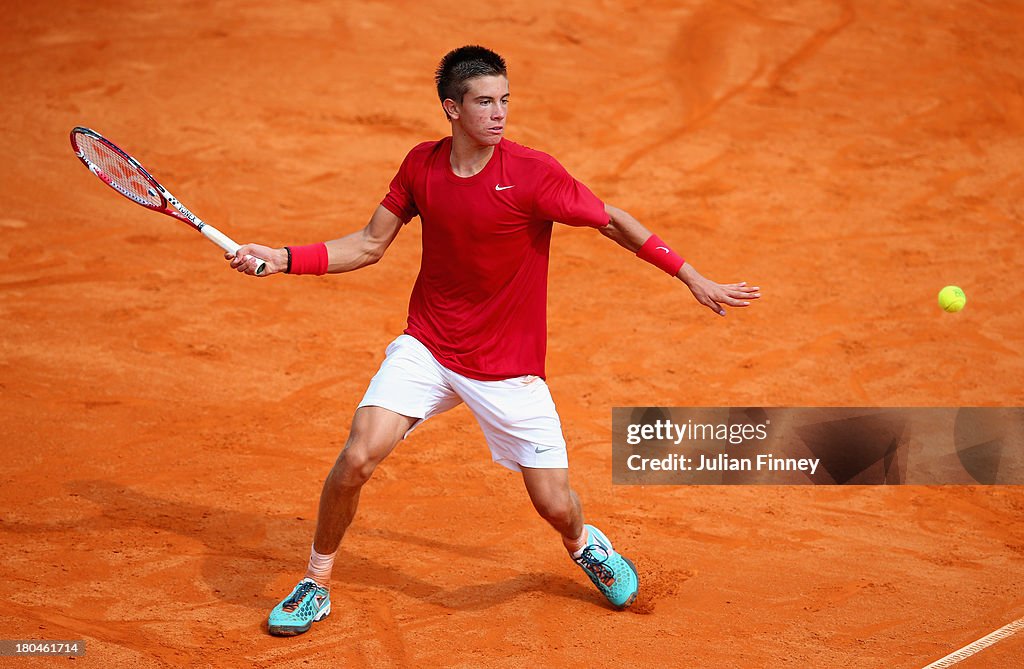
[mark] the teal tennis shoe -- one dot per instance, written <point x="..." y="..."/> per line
<point x="296" y="613"/>
<point x="614" y="575"/>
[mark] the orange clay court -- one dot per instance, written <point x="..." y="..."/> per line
<point x="167" y="423"/>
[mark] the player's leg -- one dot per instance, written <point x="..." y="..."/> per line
<point x="375" y="433"/>
<point x="524" y="433"/>
<point x="556" y="502"/>
<point x="406" y="390"/>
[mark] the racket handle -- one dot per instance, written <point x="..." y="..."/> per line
<point x="228" y="244"/>
<point x="261" y="267"/>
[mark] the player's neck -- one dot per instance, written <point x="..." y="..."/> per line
<point x="468" y="158"/>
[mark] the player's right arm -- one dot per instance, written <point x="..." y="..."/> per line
<point x="363" y="247"/>
<point x="345" y="254"/>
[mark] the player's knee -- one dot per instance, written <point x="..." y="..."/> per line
<point x="354" y="467"/>
<point x="556" y="509"/>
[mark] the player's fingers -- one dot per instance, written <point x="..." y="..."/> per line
<point x="257" y="264"/>
<point x="250" y="264"/>
<point x="739" y="290"/>
<point x="713" y="306"/>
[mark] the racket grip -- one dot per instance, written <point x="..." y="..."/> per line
<point x="228" y="244"/>
<point x="261" y="267"/>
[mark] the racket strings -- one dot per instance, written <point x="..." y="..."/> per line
<point x="118" y="172"/>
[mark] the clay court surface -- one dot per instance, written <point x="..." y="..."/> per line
<point x="167" y="423"/>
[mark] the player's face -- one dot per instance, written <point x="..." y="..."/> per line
<point x="484" y="109"/>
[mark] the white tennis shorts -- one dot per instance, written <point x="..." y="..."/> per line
<point x="517" y="415"/>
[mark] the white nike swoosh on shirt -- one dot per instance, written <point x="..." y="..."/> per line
<point x="504" y="187"/>
<point x="661" y="248"/>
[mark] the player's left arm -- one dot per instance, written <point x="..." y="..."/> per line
<point x="630" y="234"/>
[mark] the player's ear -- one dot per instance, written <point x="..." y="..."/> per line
<point x="451" y="109"/>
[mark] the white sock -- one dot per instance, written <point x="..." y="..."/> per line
<point x="320" y="567"/>
<point x="584" y="541"/>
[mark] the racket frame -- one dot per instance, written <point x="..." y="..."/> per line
<point x="176" y="209"/>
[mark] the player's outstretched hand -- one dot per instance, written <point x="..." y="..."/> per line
<point x="713" y="295"/>
<point x="247" y="257"/>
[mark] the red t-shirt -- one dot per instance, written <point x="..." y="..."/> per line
<point x="480" y="301"/>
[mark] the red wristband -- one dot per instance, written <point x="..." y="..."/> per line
<point x="308" y="259"/>
<point x="660" y="255"/>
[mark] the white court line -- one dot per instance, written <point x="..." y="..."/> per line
<point x="979" y="645"/>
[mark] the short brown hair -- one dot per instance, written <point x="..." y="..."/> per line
<point x="462" y="64"/>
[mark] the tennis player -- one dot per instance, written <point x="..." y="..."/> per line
<point x="477" y="328"/>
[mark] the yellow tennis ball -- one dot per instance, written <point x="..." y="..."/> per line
<point x="951" y="299"/>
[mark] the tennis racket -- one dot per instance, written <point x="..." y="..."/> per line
<point x="125" y="175"/>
